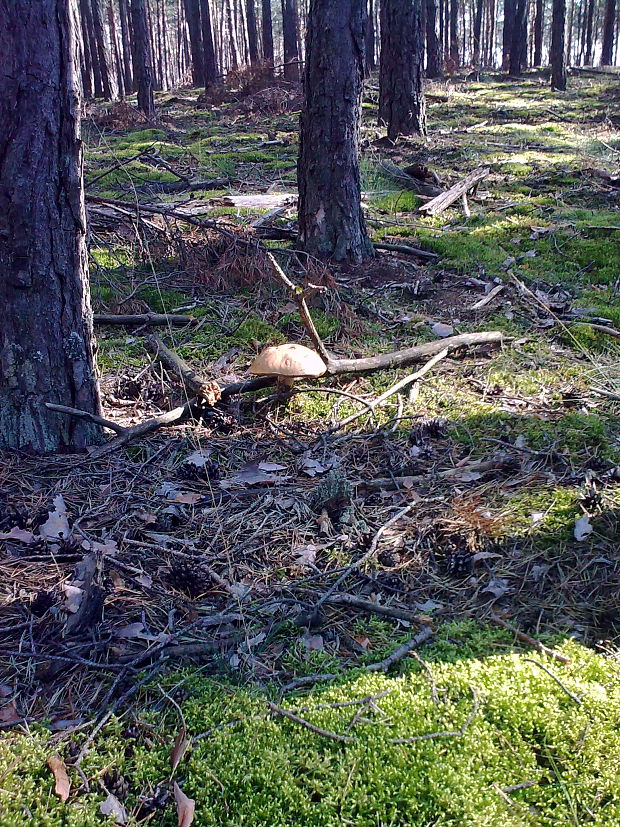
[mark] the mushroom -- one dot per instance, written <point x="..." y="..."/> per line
<point x="288" y="362"/>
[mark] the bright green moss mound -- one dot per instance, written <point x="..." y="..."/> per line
<point x="270" y="771"/>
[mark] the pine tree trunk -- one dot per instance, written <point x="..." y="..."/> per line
<point x="267" y="32"/>
<point x="455" y="61"/>
<point x="538" y="32"/>
<point x="232" y="36"/>
<point x="508" y="32"/>
<point x="477" y="34"/>
<point x="401" y="98"/>
<point x="142" y="57"/>
<point x="518" y="47"/>
<point x="589" y="29"/>
<point x="46" y="340"/>
<point x="250" y="13"/>
<point x="126" y="41"/>
<point x="118" y="65"/>
<point x="102" y="51"/>
<point x="87" y="17"/>
<point x="87" y="62"/>
<point x="192" y="14"/>
<point x="433" y="52"/>
<point x="371" y="63"/>
<point x="609" y="26"/>
<point x="208" y="48"/>
<point x="558" y="52"/>
<point x="289" y="35"/>
<point x="569" y="32"/>
<point x="331" y="224"/>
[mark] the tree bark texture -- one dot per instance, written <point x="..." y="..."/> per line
<point x="192" y="14"/>
<point x="401" y="97"/>
<point x="250" y="14"/>
<point x="508" y="30"/>
<point x="142" y="57"/>
<point x="371" y="63"/>
<point x="558" y="50"/>
<point x="539" y="22"/>
<point x="433" y="49"/>
<point x="518" y="47"/>
<point x="290" y="42"/>
<point x="477" y="33"/>
<point x="331" y="224"/>
<point x="102" y="51"/>
<point x="589" y="28"/>
<point x="208" y="48"/>
<point x="267" y="31"/>
<point x="126" y="41"/>
<point x="609" y="25"/>
<point x="453" y="26"/>
<point x="46" y="344"/>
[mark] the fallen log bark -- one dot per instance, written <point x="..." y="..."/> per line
<point x="206" y="389"/>
<point x="443" y="201"/>
<point x="147" y="319"/>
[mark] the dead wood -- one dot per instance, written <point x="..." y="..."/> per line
<point x="345" y="599"/>
<point x="443" y="201"/>
<point x="146" y="319"/>
<point x="206" y="389"/>
<point x="479" y="467"/>
<point x="405" y="248"/>
<point x="536" y="644"/>
<point x="402" y="651"/>
<point x="417" y="183"/>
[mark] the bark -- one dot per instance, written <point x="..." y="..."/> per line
<point x="518" y="47"/>
<point x="208" y="48"/>
<point x="290" y="42"/>
<point x="569" y="32"/>
<point x="232" y="36"/>
<point x="490" y="55"/>
<point x="267" y="27"/>
<point x="250" y="13"/>
<point x="539" y="22"/>
<point x="87" y="18"/>
<point x="589" y="28"/>
<point x="120" y="78"/>
<point x="401" y="98"/>
<point x="192" y="13"/>
<point x="455" y="60"/>
<point x="102" y="52"/>
<point x="371" y="63"/>
<point x="433" y="51"/>
<point x="87" y="63"/>
<point x="477" y="33"/>
<point x="46" y="344"/>
<point x="508" y="32"/>
<point x="609" y="26"/>
<point x="125" y="39"/>
<point x="558" y="51"/>
<point x="331" y="224"/>
<point x="142" y="57"/>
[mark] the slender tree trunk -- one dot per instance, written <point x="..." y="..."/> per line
<point x="250" y="14"/>
<point x="490" y="60"/>
<point x="208" y="48"/>
<point x="102" y="50"/>
<point x="116" y="55"/>
<point x="87" y="63"/>
<point x="401" y="98"/>
<point x="455" y="61"/>
<point x="331" y="224"/>
<point x="142" y="57"/>
<point x="609" y="26"/>
<point x="126" y="41"/>
<point x="569" y="32"/>
<point x="589" y="29"/>
<point x="538" y="32"/>
<point x="371" y="63"/>
<point x="558" y="51"/>
<point x="518" y="47"/>
<point x="433" y="52"/>
<point x="46" y="337"/>
<point x="508" y="32"/>
<point x="477" y="34"/>
<point x="192" y="14"/>
<point x="289" y="35"/>
<point x="87" y="17"/>
<point x="232" y="35"/>
<point x="267" y="31"/>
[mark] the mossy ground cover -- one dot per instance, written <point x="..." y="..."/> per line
<point x="537" y="752"/>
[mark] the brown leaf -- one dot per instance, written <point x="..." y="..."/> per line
<point x="113" y="807"/>
<point x="185" y="807"/>
<point x="63" y="785"/>
<point x="56" y="527"/>
<point x="178" y="751"/>
<point x="9" y="713"/>
<point x="19" y="534"/>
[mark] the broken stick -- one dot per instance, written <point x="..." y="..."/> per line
<point x="443" y="201"/>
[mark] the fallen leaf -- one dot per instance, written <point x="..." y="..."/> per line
<point x="466" y="476"/>
<point x="5" y="690"/>
<point x="63" y="785"/>
<point x="252" y="474"/>
<point x="73" y="595"/>
<point x="271" y="466"/>
<point x="583" y="528"/>
<point x="178" y="751"/>
<point x="429" y="606"/>
<point x="132" y="630"/>
<point x="186" y="497"/>
<point x="497" y="586"/>
<point x="144" y="580"/>
<point x="113" y="807"/>
<point x="442" y="330"/>
<point x="185" y="807"/>
<point x="9" y="713"/>
<point x="305" y="555"/>
<point x="198" y="458"/>
<point x="56" y="527"/>
<point x="19" y="534"/>
<point x="107" y="547"/>
<point x="62" y="724"/>
<point x="313" y="643"/>
<point x="312" y="467"/>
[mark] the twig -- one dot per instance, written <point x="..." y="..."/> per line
<point x="402" y="651"/>
<point x="206" y="389"/>
<point x="306" y="680"/>
<point x="456" y="733"/>
<point x="405" y="248"/>
<point x="326" y="733"/>
<point x="443" y="201"/>
<point x="556" y="679"/>
<point x="356" y="602"/>
<point x="89" y="417"/>
<point x="142" y="319"/>
<point x="536" y="644"/>
<point x="488" y="298"/>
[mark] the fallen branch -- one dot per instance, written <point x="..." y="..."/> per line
<point x="326" y="733"/>
<point x="443" y="201"/>
<point x="206" y="389"/>
<point x="344" y="599"/>
<point x="88" y="417"/>
<point x="478" y="467"/>
<point x="402" y="651"/>
<point x="148" y="319"/>
<point x="536" y="644"/>
<point x="488" y="298"/>
<point x="405" y="248"/>
<point x="456" y="733"/>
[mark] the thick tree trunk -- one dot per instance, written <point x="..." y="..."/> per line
<point x="455" y="60"/>
<point x="539" y="22"/>
<point x="267" y="31"/>
<point x="290" y="42"/>
<point x="477" y="34"/>
<point x="250" y="14"/>
<point x="371" y="63"/>
<point x="518" y="47"/>
<point x="126" y="41"/>
<point x="433" y="51"/>
<point x="208" y="49"/>
<point x="192" y="14"/>
<point x="331" y="224"/>
<point x="609" y="26"/>
<point x="589" y="29"/>
<point x="46" y="344"/>
<point x="558" y="52"/>
<point x="401" y="98"/>
<point x="142" y="57"/>
<point x="102" y="51"/>
<point x="508" y="32"/>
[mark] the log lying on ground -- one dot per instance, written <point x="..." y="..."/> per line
<point x="443" y="201"/>
<point x="206" y="389"/>
<point x="148" y="319"/>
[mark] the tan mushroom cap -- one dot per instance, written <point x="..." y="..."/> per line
<point x="291" y="360"/>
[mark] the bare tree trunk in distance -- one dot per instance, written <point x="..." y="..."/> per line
<point x="331" y="223"/>
<point x="477" y="34"/>
<point x="518" y="47"/>
<point x="558" y="51"/>
<point x="508" y="32"/>
<point x="371" y="63"/>
<point x="267" y="31"/>
<point x="401" y="98"/>
<point x="455" y="60"/>
<point x="192" y="14"/>
<point x="126" y="41"/>
<point x="87" y="16"/>
<point x="87" y="63"/>
<point x="208" y="48"/>
<point x="589" y="28"/>
<point x="102" y="51"/>
<point x="538" y="32"/>
<point x="46" y="337"/>
<point x="289" y="35"/>
<point x="607" y="55"/>
<point x="250" y="13"/>
<point x="142" y="57"/>
<point x="433" y="50"/>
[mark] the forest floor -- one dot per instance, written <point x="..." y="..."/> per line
<point x="212" y="541"/>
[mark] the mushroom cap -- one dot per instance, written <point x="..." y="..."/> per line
<point x="289" y="360"/>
